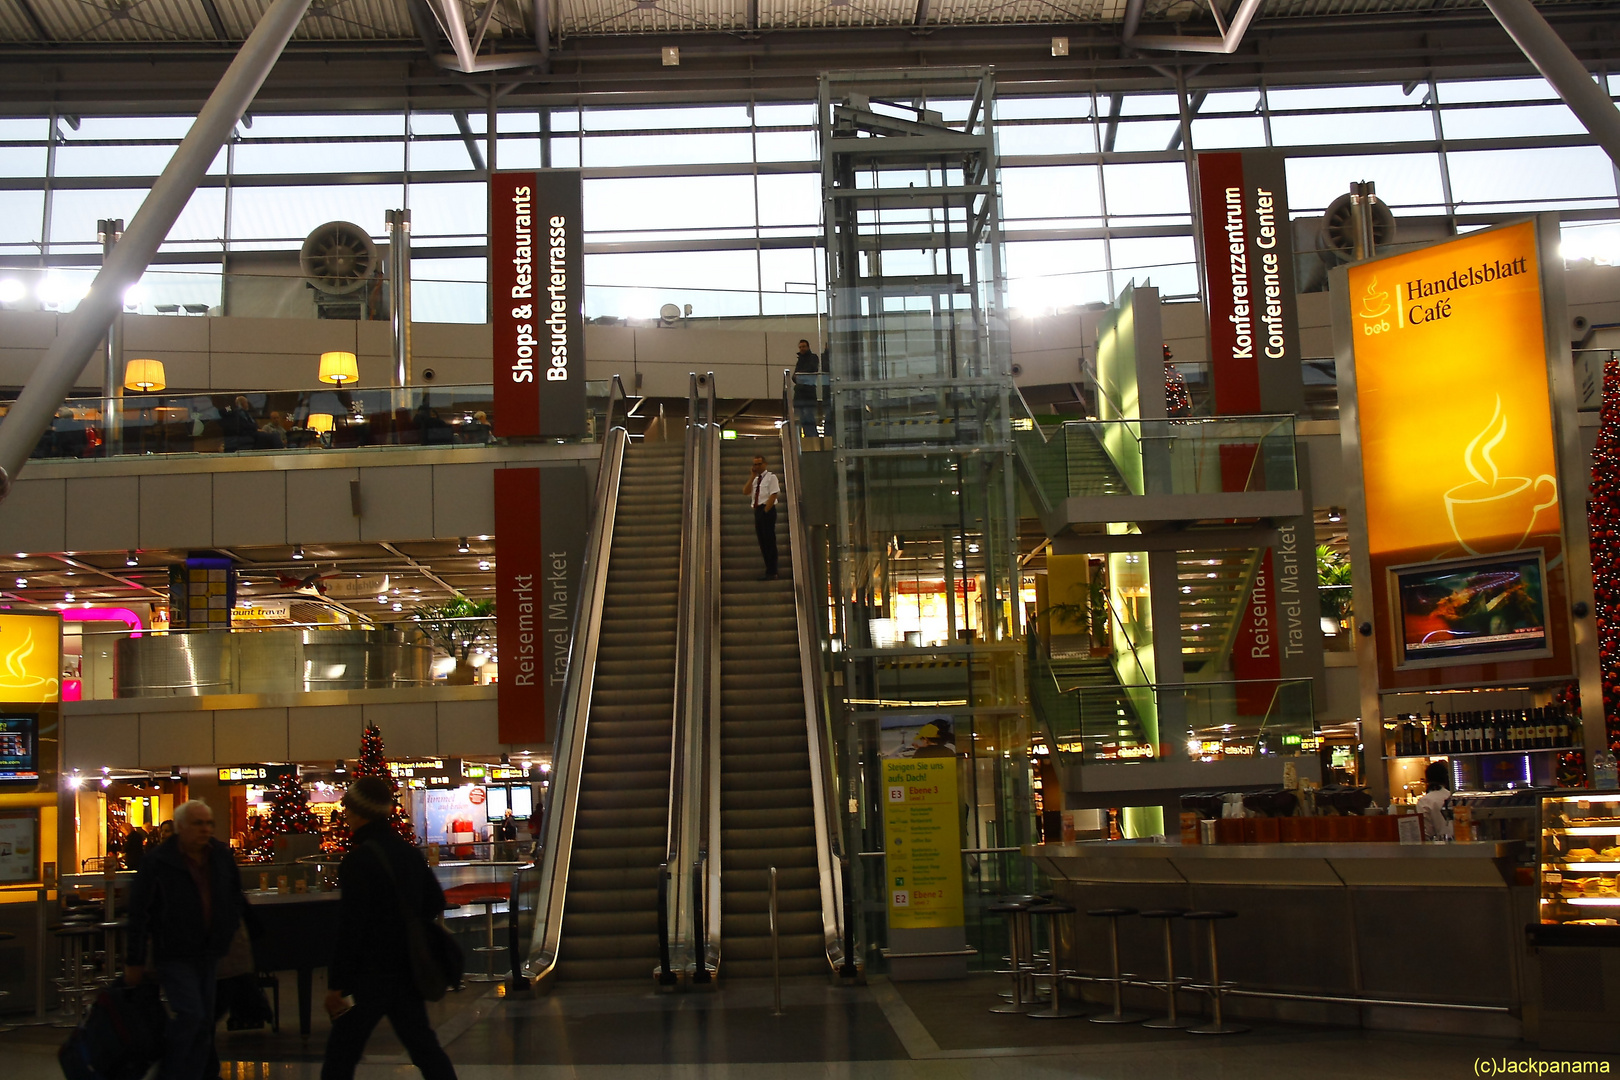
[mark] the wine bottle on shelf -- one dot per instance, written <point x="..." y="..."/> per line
<point x="1429" y="729"/>
<point x="1440" y="744"/>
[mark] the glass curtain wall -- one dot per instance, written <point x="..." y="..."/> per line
<point x="717" y="205"/>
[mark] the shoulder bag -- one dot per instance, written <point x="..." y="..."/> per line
<point x="435" y="958"/>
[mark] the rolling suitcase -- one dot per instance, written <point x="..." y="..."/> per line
<point x="119" y="1038"/>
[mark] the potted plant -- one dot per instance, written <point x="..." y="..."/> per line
<point x="456" y="626"/>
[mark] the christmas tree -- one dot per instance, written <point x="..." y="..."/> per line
<point x="289" y="812"/>
<point x="1603" y="519"/>
<point x="1177" y="399"/>
<point x="371" y="763"/>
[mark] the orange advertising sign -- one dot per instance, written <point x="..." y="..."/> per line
<point x="1454" y="412"/>
<point x="30" y="658"/>
<point x="1451" y="380"/>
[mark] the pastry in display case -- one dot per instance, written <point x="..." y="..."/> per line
<point x="1579" y="881"/>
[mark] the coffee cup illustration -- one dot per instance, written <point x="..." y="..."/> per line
<point x="1492" y="513"/>
<point x="1375" y="302"/>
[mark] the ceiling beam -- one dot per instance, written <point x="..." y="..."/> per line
<point x="469" y="140"/>
<point x="426" y="23"/>
<point x="1111" y="131"/>
<point x="1196" y="103"/>
<point x="421" y="568"/>
<point x="215" y="22"/>
<point x="34" y="21"/>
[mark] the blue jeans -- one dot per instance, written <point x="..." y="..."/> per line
<point x="807" y="417"/>
<point x="188" y="985"/>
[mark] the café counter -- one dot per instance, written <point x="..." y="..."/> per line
<point x="1424" y="937"/>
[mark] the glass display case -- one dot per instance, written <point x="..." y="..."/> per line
<point x="1579" y="880"/>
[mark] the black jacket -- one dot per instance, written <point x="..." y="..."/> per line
<point x="804" y="388"/>
<point x="166" y="909"/>
<point x="371" y="931"/>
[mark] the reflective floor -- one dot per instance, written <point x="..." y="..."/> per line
<point x="940" y="1031"/>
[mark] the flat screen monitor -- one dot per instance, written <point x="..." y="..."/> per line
<point x="19" y="748"/>
<point x="1493" y="607"/>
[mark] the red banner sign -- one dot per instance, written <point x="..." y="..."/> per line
<point x="519" y="571"/>
<point x="1256" y="648"/>
<point x="1249" y="269"/>
<point x="541" y="517"/>
<point x="537" y="294"/>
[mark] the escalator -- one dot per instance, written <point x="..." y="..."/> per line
<point x="689" y="751"/>
<point x="610" y="925"/>
<point x="767" y="796"/>
<point x="597" y="902"/>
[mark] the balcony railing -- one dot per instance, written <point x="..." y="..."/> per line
<point x="1201" y="455"/>
<point x="298" y="421"/>
<point x="1144" y="722"/>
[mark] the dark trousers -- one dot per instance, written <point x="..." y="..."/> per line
<point x="407" y="1012"/>
<point x="188" y="1044"/>
<point x="765" y="530"/>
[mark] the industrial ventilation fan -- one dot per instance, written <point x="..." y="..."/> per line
<point x="340" y="263"/>
<point x="1339" y="228"/>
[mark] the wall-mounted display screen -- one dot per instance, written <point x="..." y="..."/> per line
<point x="19" y="749"/>
<point x="1479" y="607"/>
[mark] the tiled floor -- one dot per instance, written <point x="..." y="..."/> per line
<point x="882" y="1031"/>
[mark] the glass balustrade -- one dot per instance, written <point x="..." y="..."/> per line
<point x="1199" y="455"/>
<point x="301" y="421"/>
<point x="1197" y="721"/>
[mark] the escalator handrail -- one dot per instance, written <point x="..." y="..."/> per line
<point x="690" y="647"/>
<point x="830" y="855"/>
<point x="706" y="914"/>
<point x="562" y="797"/>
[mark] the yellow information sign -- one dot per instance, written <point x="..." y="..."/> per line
<point x="30" y="658"/>
<point x="923" y="842"/>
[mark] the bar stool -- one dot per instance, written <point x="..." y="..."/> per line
<point x="1016" y="908"/>
<point x="74" y="943"/>
<point x="1057" y="1010"/>
<point x="1214" y="988"/>
<point x="1171" y="983"/>
<point x="487" y="893"/>
<point x="1118" y="1015"/>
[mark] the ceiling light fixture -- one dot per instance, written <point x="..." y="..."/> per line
<point x="462" y="546"/>
<point x="483" y="564"/>
<point x="68" y="596"/>
<point x="22" y="583"/>
<point x="131" y="559"/>
<point x="298" y="551"/>
<point x="1335" y="515"/>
